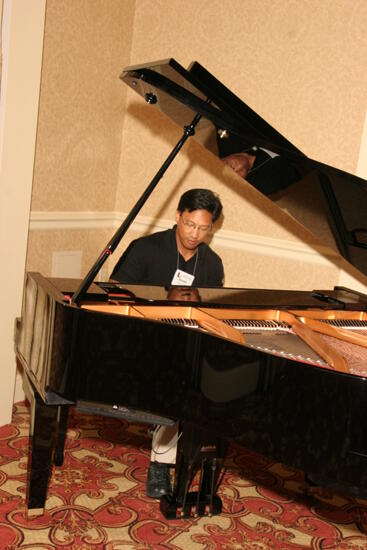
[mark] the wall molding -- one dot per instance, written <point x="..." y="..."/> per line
<point x="247" y="242"/>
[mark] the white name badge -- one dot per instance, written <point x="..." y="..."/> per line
<point x="182" y="278"/>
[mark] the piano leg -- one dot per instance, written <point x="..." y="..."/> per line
<point x="42" y="436"/>
<point x="61" y="435"/>
<point x="197" y="451"/>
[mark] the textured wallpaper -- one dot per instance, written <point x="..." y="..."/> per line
<point x="82" y="102"/>
<point x="299" y="64"/>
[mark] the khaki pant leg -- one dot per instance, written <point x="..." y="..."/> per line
<point x="164" y="444"/>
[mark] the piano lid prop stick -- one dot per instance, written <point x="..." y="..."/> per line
<point x="111" y="246"/>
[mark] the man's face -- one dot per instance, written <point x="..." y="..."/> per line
<point x="241" y="163"/>
<point x="192" y="228"/>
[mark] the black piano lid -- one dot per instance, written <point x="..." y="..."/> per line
<point x="337" y="196"/>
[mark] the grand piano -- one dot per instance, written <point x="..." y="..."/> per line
<point x="282" y="373"/>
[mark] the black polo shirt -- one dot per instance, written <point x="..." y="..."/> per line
<point x="154" y="260"/>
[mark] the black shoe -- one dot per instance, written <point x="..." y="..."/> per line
<point x="158" y="481"/>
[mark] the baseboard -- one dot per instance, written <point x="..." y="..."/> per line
<point x="19" y="394"/>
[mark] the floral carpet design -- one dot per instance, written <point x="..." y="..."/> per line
<point x="96" y="500"/>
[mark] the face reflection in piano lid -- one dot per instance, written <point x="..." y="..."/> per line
<point x="332" y="205"/>
<point x="265" y="169"/>
<point x="184" y="294"/>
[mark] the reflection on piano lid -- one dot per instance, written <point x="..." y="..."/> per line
<point x="279" y="169"/>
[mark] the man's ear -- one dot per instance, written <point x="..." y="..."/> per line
<point x="178" y="215"/>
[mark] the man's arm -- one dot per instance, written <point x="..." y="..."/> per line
<point x="216" y="271"/>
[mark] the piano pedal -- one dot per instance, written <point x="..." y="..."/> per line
<point x="207" y="505"/>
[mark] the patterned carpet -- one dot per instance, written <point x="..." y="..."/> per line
<point x="97" y="501"/>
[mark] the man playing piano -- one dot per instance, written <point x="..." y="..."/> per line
<point x="175" y="257"/>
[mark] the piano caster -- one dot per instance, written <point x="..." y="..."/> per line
<point x="316" y="482"/>
<point x="313" y="480"/>
<point x="59" y="459"/>
<point x="205" y="505"/>
<point x="35" y="512"/>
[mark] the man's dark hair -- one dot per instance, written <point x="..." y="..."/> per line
<point x="196" y="199"/>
